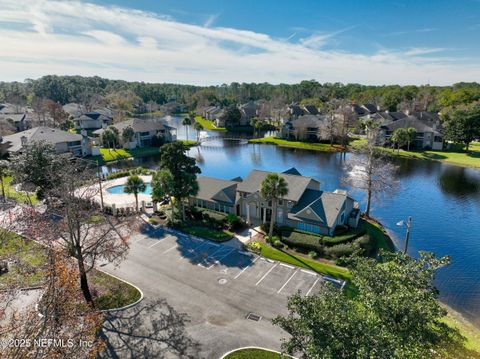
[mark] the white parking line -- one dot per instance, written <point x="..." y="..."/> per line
<point x="244" y="269"/>
<point x="169" y="249"/>
<point x="308" y="272"/>
<point x="219" y="259"/>
<point x="265" y="274"/>
<point x="289" y="279"/>
<point x="313" y="285"/>
<point x="154" y="244"/>
<point x="286" y="265"/>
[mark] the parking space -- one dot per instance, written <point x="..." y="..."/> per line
<point x="304" y="282"/>
<point x="276" y="279"/>
<point x="241" y="268"/>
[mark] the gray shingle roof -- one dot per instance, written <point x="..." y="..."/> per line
<point x="215" y="189"/>
<point x="412" y="121"/>
<point x="318" y="206"/>
<point x="138" y="125"/>
<point x="296" y="184"/>
<point x="37" y="134"/>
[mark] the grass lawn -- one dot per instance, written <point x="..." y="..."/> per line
<point x="108" y="291"/>
<point x="10" y="192"/>
<point x="455" y="155"/>
<point x="207" y="124"/>
<point x="466" y="329"/>
<point x="207" y="233"/>
<point x="375" y="230"/>
<point x="320" y="267"/>
<point x="254" y="354"/>
<point x="324" y="147"/>
<point x="31" y="258"/>
<point x="189" y="143"/>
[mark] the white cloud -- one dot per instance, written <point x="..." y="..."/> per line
<point x="70" y="37"/>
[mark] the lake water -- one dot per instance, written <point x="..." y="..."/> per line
<point x="443" y="200"/>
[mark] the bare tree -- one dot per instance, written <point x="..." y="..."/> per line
<point x="370" y="169"/>
<point x="81" y="229"/>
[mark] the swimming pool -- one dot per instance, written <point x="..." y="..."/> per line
<point x="119" y="189"/>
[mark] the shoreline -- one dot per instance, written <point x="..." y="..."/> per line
<point x="327" y="148"/>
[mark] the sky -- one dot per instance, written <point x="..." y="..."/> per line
<point x="211" y="42"/>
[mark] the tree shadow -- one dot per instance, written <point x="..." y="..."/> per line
<point x="152" y="329"/>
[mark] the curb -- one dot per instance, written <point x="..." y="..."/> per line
<point x="128" y="305"/>
<point x="254" y="347"/>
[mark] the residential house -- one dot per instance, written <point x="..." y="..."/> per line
<point x="248" y="110"/>
<point x="305" y="207"/>
<point x="305" y="127"/>
<point x="17" y="117"/>
<point x="364" y="110"/>
<point x="93" y="120"/>
<point x="64" y="142"/>
<point x="74" y="109"/>
<point x="144" y="132"/>
<point x="216" y="194"/>
<point x="428" y="127"/>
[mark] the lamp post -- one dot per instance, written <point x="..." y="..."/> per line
<point x="408" y="224"/>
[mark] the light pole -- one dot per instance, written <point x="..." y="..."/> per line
<point x="408" y="224"/>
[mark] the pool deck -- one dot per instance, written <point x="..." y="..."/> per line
<point x="122" y="200"/>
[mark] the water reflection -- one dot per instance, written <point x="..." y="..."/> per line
<point x="444" y="201"/>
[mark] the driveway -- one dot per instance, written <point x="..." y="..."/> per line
<point x="229" y="296"/>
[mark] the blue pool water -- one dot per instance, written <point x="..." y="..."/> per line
<point x="119" y="189"/>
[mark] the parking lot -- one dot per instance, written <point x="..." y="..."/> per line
<point x="228" y="295"/>
<point x="229" y="265"/>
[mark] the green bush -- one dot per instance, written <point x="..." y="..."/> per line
<point x="347" y="237"/>
<point x="254" y="247"/>
<point x="341" y="250"/>
<point x="153" y="221"/>
<point x="312" y="254"/>
<point x="233" y="222"/>
<point x="301" y="241"/>
<point x="133" y="171"/>
<point x="277" y="243"/>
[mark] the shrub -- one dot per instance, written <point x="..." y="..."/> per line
<point x="344" y="238"/>
<point x="233" y="222"/>
<point x="153" y="221"/>
<point x="312" y="254"/>
<point x="277" y="243"/>
<point x="341" y="250"/>
<point x="254" y="247"/>
<point x="302" y="242"/>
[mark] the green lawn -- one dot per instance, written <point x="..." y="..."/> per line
<point x="455" y="155"/>
<point x="189" y="143"/>
<point x="30" y="257"/>
<point x="112" y="293"/>
<point x="254" y="354"/>
<point x="10" y="192"/>
<point x="207" y="233"/>
<point x="207" y="124"/>
<point x="108" y="291"/>
<point x="109" y="154"/>
<point x="467" y="330"/>
<point x="320" y="267"/>
<point x="324" y="147"/>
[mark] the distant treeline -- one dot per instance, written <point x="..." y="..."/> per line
<point x="65" y="89"/>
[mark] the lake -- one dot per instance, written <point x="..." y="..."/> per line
<point x="444" y="201"/>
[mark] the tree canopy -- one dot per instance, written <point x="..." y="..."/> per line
<point x="394" y="313"/>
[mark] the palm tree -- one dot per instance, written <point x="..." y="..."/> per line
<point x="198" y="127"/>
<point x="135" y="185"/>
<point x="273" y="188"/>
<point x="410" y="136"/>
<point x="187" y="121"/>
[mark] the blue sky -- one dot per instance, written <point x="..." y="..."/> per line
<point x="214" y="41"/>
